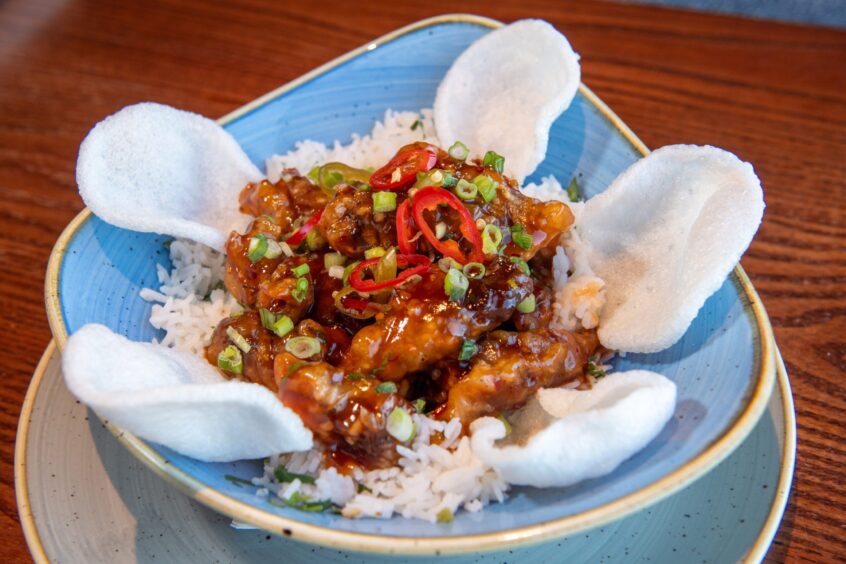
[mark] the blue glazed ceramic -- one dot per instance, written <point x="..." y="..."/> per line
<point x="723" y="365"/>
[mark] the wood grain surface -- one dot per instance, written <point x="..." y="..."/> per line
<point x="774" y="94"/>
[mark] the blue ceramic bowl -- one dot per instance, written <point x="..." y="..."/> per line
<point x="723" y="365"/>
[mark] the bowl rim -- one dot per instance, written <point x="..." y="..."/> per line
<point x="709" y="457"/>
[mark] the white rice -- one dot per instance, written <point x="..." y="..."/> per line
<point x="191" y="300"/>
<point x="430" y="481"/>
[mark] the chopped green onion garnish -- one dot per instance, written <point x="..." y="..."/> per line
<point x="594" y="369"/>
<point x="386" y="388"/>
<point x="520" y="237"/>
<point x="491" y="238"/>
<point x="374" y="252"/>
<point x="466" y="190"/>
<point x="365" y="187"/>
<point x="302" y="347"/>
<point x="573" y="191"/>
<point x="444" y="515"/>
<point x="282" y="475"/>
<point x="459" y="151"/>
<point x="486" y="186"/>
<point x="282" y="326"/>
<point x="300" y="270"/>
<point x="238" y="339"/>
<point x="274" y="249"/>
<point x="420" y="405"/>
<point x="235" y="480"/>
<point x="446" y="263"/>
<point x="522" y="265"/>
<point x="354" y="376"/>
<point x="417" y="123"/>
<point x="456" y="285"/>
<point x="384" y="201"/>
<point x="268" y="318"/>
<point x="528" y="305"/>
<point x="468" y="349"/>
<point x="440" y="230"/>
<point x="349" y="268"/>
<point x="449" y="180"/>
<point x="333" y="259"/>
<point x="312" y="174"/>
<point x="257" y="247"/>
<point x="400" y="425"/>
<point x="436" y="176"/>
<point x="314" y="240"/>
<point x="299" y="292"/>
<point x="495" y="161"/>
<point x="506" y="423"/>
<point x="474" y="270"/>
<point x="230" y="359"/>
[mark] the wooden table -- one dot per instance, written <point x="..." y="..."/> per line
<point x="774" y="94"/>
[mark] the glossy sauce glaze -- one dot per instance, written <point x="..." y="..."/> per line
<point x="410" y="344"/>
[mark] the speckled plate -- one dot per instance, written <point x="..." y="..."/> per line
<point x="83" y="498"/>
<point x="723" y="365"/>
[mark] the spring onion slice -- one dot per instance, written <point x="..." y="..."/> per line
<point x="446" y="263"/>
<point x="282" y="326"/>
<point x="520" y="237"/>
<point x="336" y="272"/>
<point x="420" y="405"/>
<point x="487" y="186"/>
<point x="301" y="270"/>
<point x="238" y="339"/>
<point x="449" y="180"/>
<point x="230" y="359"/>
<point x="468" y="349"/>
<point x="522" y="265"/>
<point x="333" y="259"/>
<point x="440" y="230"/>
<point x="574" y="193"/>
<point x="257" y="248"/>
<point x="299" y="293"/>
<point x="459" y="151"/>
<point x="456" y="285"/>
<point x="494" y="160"/>
<point x="400" y="425"/>
<point x="528" y="305"/>
<point x="491" y="239"/>
<point x="302" y="347"/>
<point x="274" y="249"/>
<point x="386" y="388"/>
<point x="314" y="240"/>
<point x="474" y="270"/>
<point x="444" y="516"/>
<point x="374" y="252"/>
<point x="268" y="318"/>
<point x="384" y="201"/>
<point x="466" y="190"/>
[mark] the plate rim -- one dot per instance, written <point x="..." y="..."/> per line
<point x="755" y="553"/>
<point x="709" y="457"/>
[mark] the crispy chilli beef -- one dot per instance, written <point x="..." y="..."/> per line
<point x="425" y="286"/>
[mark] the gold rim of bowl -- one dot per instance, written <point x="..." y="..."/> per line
<point x="611" y="511"/>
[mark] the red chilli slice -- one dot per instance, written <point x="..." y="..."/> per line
<point x="299" y="235"/>
<point x="428" y="199"/>
<point x="402" y="169"/>
<point x="418" y="265"/>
